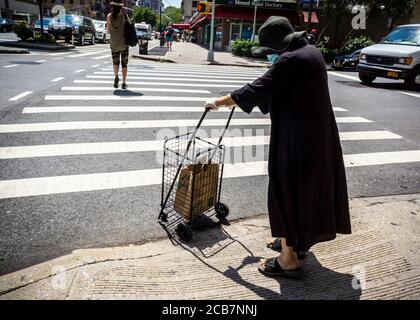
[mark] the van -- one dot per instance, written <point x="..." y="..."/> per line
<point x="143" y="31"/>
<point x="397" y="56"/>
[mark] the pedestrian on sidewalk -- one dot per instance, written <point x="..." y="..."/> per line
<point x="307" y="193"/>
<point x="169" y="35"/>
<point x="119" y="49"/>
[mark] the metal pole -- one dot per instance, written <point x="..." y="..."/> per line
<point x="210" y="55"/>
<point x="310" y="15"/>
<point x="41" y="17"/>
<point x="255" y="20"/>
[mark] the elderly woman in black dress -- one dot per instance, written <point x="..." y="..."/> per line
<point x="307" y="193"/>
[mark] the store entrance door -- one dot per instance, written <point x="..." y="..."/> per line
<point x="235" y="31"/>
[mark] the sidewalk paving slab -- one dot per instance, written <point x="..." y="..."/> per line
<point x="379" y="260"/>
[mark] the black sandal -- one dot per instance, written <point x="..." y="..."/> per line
<point x="276" y="246"/>
<point x="273" y="269"/>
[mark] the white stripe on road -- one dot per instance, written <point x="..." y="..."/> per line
<point x="41" y="61"/>
<point x="55" y="150"/>
<point x="11" y="66"/>
<point x="345" y="76"/>
<point x="102" y="57"/>
<point x="368" y="135"/>
<point x="58" y="79"/>
<point x="351" y="120"/>
<point x="124" y="97"/>
<point x="59" y="53"/>
<point x="162" y="84"/>
<point x="202" y="72"/>
<point x="198" y="69"/>
<point x="87" y="54"/>
<point x="339" y="109"/>
<point x="379" y="158"/>
<point x="57" y="58"/>
<point x="136" y="178"/>
<point x="20" y="96"/>
<point x="172" y="79"/>
<point x="139" y="124"/>
<point x="95" y="66"/>
<point x="134" y="89"/>
<point x="80" y="70"/>
<point x="411" y="94"/>
<point x="106" y="109"/>
<point x="220" y="76"/>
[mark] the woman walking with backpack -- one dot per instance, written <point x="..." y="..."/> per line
<point x="116" y="27"/>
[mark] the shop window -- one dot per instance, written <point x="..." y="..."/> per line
<point x="194" y="4"/>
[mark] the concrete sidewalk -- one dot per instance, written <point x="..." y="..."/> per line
<point x="191" y="53"/>
<point x="380" y="260"/>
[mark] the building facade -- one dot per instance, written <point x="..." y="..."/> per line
<point x="152" y="4"/>
<point x="234" y="19"/>
<point x="189" y="8"/>
<point x="12" y="9"/>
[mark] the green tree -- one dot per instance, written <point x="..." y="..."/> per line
<point x="144" y="15"/>
<point x="175" y="14"/>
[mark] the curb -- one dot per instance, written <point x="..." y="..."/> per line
<point x="29" y="45"/>
<point x="14" y="51"/>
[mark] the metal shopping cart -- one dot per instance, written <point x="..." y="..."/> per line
<point x="192" y="180"/>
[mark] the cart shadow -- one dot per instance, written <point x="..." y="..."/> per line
<point x="209" y="237"/>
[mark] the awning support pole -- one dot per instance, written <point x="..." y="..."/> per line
<point x="255" y="20"/>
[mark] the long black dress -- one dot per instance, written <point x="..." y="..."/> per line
<point x="307" y="196"/>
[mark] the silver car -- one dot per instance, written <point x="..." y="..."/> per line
<point x="101" y="34"/>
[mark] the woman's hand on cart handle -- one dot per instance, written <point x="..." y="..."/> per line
<point x="214" y="104"/>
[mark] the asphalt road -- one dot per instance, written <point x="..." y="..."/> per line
<point x="69" y="187"/>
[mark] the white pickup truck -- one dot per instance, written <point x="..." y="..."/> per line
<point x="397" y="56"/>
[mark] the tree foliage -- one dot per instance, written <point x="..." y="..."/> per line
<point x="144" y="15"/>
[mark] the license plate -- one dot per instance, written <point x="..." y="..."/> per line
<point x="393" y="74"/>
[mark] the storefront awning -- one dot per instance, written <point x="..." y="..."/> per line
<point x="181" y="25"/>
<point x="314" y="17"/>
<point x="199" y="21"/>
<point x="231" y="12"/>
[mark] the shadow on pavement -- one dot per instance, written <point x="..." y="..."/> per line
<point x="318" y="282"/>
<point x="124" y="93"/>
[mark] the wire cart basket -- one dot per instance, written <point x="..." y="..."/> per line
<point x="192" y="178"/>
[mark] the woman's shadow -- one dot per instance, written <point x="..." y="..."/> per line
<point x="318" y="282"/>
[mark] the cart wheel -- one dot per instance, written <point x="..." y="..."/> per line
<point x="222" y="210"/>
<point x="184" y="232"/>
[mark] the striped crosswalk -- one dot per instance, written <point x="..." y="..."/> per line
<point x="160" y="97"/>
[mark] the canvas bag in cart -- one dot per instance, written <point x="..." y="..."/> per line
<point x="191" y="201"/>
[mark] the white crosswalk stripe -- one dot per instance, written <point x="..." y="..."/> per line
<point x="172" y="85"/>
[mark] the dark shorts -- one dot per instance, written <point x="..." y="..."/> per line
<point x="169" y="38"/>
<point x="120" y="55"/>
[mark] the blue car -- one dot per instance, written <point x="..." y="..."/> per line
<point x="45" y="21"/>
<point x="348" y="61"/>
<point x="6" y="25"/>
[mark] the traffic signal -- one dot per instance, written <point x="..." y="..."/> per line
<point x="204" y="7"/>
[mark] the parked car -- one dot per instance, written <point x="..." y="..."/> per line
<point x="45" y="21"/>
<point x="101" y="33"/>
<point x="397" y="56"/>
<point x="143" y="30"/>
<point x="68" y="26"/>
<point x="347" y="61"/>
<point x="6" y="25"/>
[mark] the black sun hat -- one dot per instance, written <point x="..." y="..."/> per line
<point x="117" y="3"/>
<point x="275" y="35"/>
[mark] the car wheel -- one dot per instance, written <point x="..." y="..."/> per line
<point x="413" y="82"/>
<point x="81" y="41"/>
<point x="366" y="79"/>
